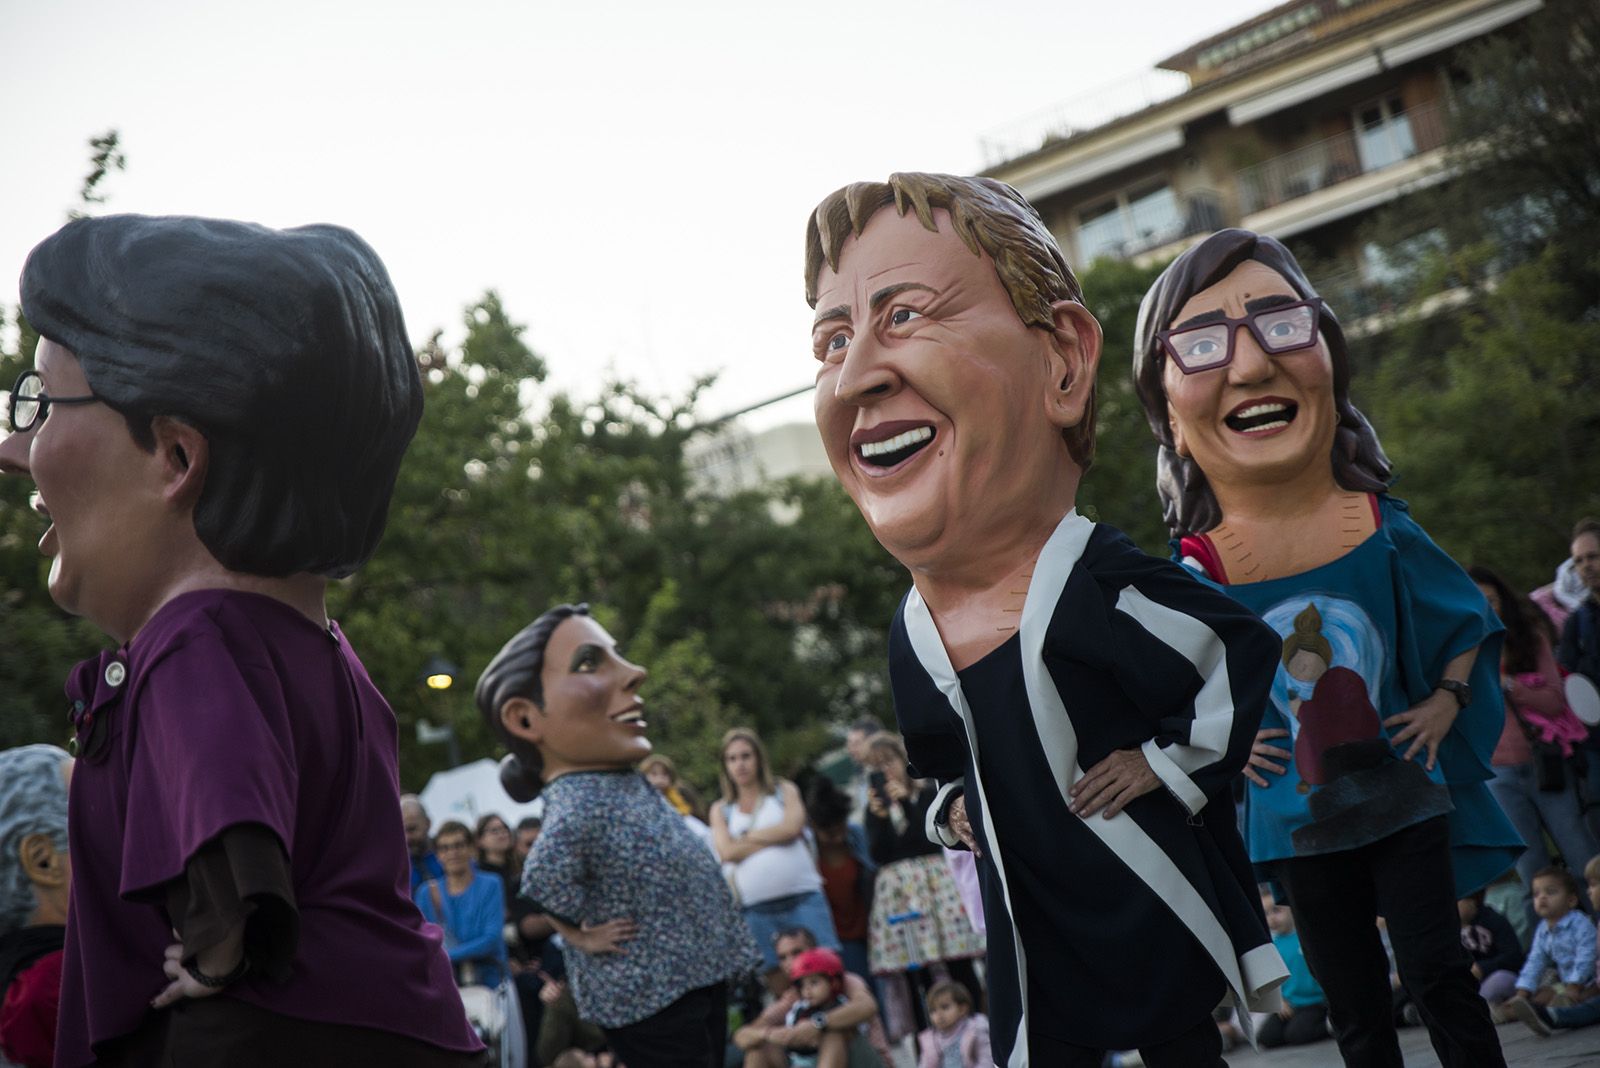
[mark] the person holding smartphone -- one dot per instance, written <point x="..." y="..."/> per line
<point x="917" y="916"/>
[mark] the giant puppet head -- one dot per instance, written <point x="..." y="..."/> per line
<point x="562" y="698"/>
<point x="34" y="870"/>
<point x="1244" y="377"/>
<point x="249" y="387"/>
<point x="956" y="363"/>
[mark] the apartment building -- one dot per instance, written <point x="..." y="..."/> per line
<point x="1297" y="123"/>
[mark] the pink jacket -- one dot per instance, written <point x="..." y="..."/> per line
<point x="973" y="1035"/>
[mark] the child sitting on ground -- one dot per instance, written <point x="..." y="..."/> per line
<point x="1496" y="951"/>
<point x="1585" y="1009"/>
<point x="959" y="1037"/>
<point x="819" y="974"/>
<point x="1304" y="1015"/>
<point x="1564" y="941"/>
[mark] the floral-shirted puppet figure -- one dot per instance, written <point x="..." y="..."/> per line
<point x="1083" y="706"/>
<point x="35" y="871"/>
<point x="214" y="422"/>
<point x="652" y="937"/>
<point x="1275" y="487"/>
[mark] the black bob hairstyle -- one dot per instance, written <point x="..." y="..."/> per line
<point x="285" y="348"/>
<point x="1187" y="503"/>
<point x="515" y="672"/>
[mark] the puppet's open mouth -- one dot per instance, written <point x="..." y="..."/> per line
<point x="634" y="715"/>
<point x="1261" y="416"/>
<point x="892" y="451"/>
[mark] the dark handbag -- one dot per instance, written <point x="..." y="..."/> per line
<point x="1549" y="762"/>
<point x="1550" y="767"/>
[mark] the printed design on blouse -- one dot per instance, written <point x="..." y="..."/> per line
<point x="1333" y="664"/>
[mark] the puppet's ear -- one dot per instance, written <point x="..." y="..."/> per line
<point x="1178" y="445"/>
<point x="185" y="454"/>
<point x="522" y="719"/>
<point x="42" y="863"/>
<point x="1074" y="357"/>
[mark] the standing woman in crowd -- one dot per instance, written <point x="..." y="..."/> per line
<point x="1367" y="792"/>
<point x="496" y="854"/>
<point x="845" y="864"/>
<point x="214" y="422"/>
<point x="1536" y="708"/>
<point x="759" y="832"/>
<point x="651" y="935"/>
<point x="493" y="841"/>
<point x="662" y="773"/>
<point x="919" y="928"/>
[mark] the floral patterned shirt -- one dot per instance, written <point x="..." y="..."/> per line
<point x="612" y="848"/>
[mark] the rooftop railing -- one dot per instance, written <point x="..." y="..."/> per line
<point x="1081" y="113"/>
<point x="1340" y="158"/>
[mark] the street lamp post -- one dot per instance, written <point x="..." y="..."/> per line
<point x="439" y="674"/>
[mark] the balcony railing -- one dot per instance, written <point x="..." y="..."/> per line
<point x="1340" y="158"/>
<point x="1148" y="224"/>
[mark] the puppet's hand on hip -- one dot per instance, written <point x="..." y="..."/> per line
<point x="1425" y="725"/>
<point x="605" y="937"/>
<point x="955" y="818"/>
<point x="182" y="985"/>
<point x="1263" y="755"/>
<point x="1112" y="783"/>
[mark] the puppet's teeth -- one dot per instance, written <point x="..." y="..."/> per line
<point x="896" y="443"/>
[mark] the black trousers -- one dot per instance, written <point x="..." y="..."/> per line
<point x="692" y="1032"/>
<point x="1198" y="1047"/>
<point x="1406" y="879"/>
<point x="1307" y="1025"/>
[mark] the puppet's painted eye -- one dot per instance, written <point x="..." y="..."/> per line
<point x="902" y="316"/>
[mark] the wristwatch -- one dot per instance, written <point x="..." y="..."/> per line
<point x="819" y="1020"/>
<point x="1459" y="690"/>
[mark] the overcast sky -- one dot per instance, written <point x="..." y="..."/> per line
<point x="632" y="177"/>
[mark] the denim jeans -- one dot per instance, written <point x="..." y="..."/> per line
<point x="1534" y="812"/>
<point x="810" y="910"/>
<point x="1582" y="1014"/>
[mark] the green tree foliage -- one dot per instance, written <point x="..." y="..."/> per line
<point x="1120" y="488"/>
<point x="1482" y="380"/>
<point x="764" y="608"/>
<point x="106" y="156"/>
<point x="1493" y="433"/>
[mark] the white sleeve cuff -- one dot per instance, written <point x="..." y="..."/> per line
<point x="940" y="833"/>
<point x="1181" y="786"/>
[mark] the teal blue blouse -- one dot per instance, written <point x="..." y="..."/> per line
<point x="1394" y="611"/>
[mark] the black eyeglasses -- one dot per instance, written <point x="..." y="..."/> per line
<point x="30" y="405"/>
<point x="1284" y="328"/>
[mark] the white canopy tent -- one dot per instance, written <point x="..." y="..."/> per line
<point x="470" y="791"/>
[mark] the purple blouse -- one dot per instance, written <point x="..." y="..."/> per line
<point x="232" y="708"/>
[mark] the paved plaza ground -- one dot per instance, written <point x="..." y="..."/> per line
<point x="1523" y="1049"/>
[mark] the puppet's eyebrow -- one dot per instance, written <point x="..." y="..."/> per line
<point x="1260" y="304"/>
<point x="841" y="311"/>
<point x="888" y="292"/>
<point x="1274" y="300"/>
<point x="1216" y="316"/>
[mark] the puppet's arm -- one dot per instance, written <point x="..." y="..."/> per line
<point x="1206" y="717"/>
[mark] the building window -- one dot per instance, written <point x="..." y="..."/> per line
<point x="1138" y="218"/>
<point x="1383" y="134"/>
